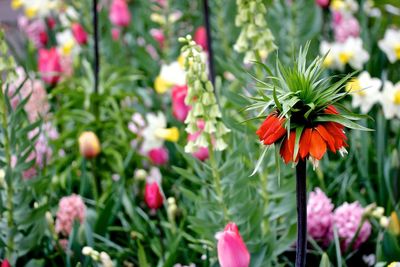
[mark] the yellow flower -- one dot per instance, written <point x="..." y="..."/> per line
<point x="337" y="4"/>
<point x="89" y="145"/>
<point x="354" y="86"/>
<point x="394" y="225"/>
<point x="161" y="86"/>
<point x="169" y="134"/>
<point x="328" y="61"/>
<point x="31" y="12"/>
<point x="67" y="47"/>
<point x="15" y="4"/>
<point x="394" y="264"/>
<point x="397" y="50"/>
<point x="344" y="57"/>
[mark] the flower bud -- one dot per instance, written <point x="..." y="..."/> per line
<point x="5" y="263"/>
<point x="384" y="222"/>
<point x="232" y="251"/>
<point x="140" y="174"/>
<point x="89" y="145"/>
<point x="87" y="250"/>
<point x="152" y="195"/>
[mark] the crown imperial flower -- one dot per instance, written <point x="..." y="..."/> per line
<point x="303" y="123"/>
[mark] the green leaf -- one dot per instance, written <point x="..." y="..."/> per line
<point x="325" y="261"/>
<point x="342" y="120"/>
<point x="142" y="255"/>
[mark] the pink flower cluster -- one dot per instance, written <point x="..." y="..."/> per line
<point x="345" y="26"/>
<point x="347" y="219"/>
<point x="319" y="215"/>
<point x="70" y="208"/>
<point x="321" y="221"/>
<point x="35" y="30"/>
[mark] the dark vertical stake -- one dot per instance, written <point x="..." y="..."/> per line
<point x="301" y="196"/>
<point x="96" y="48"/>
<point x="206" y="9"/>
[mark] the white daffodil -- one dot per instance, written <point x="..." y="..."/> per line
<point x="391" y="100"/>
<point x="364" y="91"/>
<point x="170" y="75"/>
<point x="156" y="132"/>
<point x="67" y="43"/>
<point x="390" y="44"/>
<point x="68" y="16"/>
<point x="36" y="8"/>
<point x="340" y="54"/>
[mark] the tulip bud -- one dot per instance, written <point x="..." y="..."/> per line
<point x="79" y="33"/>
<point x="152" y="195"/>
<point x="232" y="251"/>
<point x="159" y="156"/>
<point x="89" y="145"/>
<point x="5" y="263"/>
<point x="140" y="174"/>
<point x="119" y="13"/>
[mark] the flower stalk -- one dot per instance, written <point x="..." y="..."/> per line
<point x="301" y="197"/>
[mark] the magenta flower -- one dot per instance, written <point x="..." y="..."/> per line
<point x="159" y="156"/>
<point x="200" y="37"/>
<point x="153" y="196"/>
<point x="70" y="209"/>
<point x="322" y="3"/>
<point x="79" y="33"/>
<point x="179" y="109"/>
<point x="319" y="216"/>
<point x="202" y="153"/>
<point x="158" y="35"/>
<point x="119" y="13"/>
<point x="347" y="219"/>
<point x="49" y="65"/>
<point x="35" y="30"/>
<point x="232" y="251"/>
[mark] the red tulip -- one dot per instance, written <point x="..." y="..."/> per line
<point x="272" y="129"/>
<point x="232" y="251"/>
<point x="179" y="109"/>
<point x="152" y="195"/>
<point x="49" y="65"/>
<point x="43" y="38"/>
<point x="119" y="13"/>
<point x="79" y="33"/>
<point x="200" y="37"/>
<point x="5" y="263"/>
<point x="158" y="156"/>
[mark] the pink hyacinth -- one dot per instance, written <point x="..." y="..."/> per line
<point x="70" y="209"/>
<point x="35" y="30"/>
<point x="179" y="109"/>
<point x="345" y="27"/>
<point x="38" y="104"/>
<point x="347" y="219"/>
<point x="119" y="13"/>
<point x="159" y="156"/>
<point x="49" y="65"/>
<point x="319" y="216"/>
<point x="232" y="251"/>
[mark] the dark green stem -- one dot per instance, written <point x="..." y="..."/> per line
<point x="301" y="195"/>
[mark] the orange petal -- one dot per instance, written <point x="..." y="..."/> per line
<point x="331" y="110"/>
<point x="287" y="148"/>
<point x="304" y="145"/>
<point x="317" y="145"/>
<point x="327" y="137"/>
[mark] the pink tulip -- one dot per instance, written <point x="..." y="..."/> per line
<point x="119" y="13"/>
<point x="152" y="195"/>
<point x="49" y="65"/>
<point x="232" y="251"/>
<point x="179" y="109"/>
<point x="159" y="156"/>
<point x="5" y="263"/>
<point x="79" y="33"/>
<point x="158" y="35"/>
<point x="200" y="37"/>
<point x="323" y="3"/>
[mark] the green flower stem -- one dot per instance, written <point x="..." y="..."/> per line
<point x="217" y="180"/>
<point x="301" y="194"/>
<point x="206" y="10"/>
<point x="10" y="190"/>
